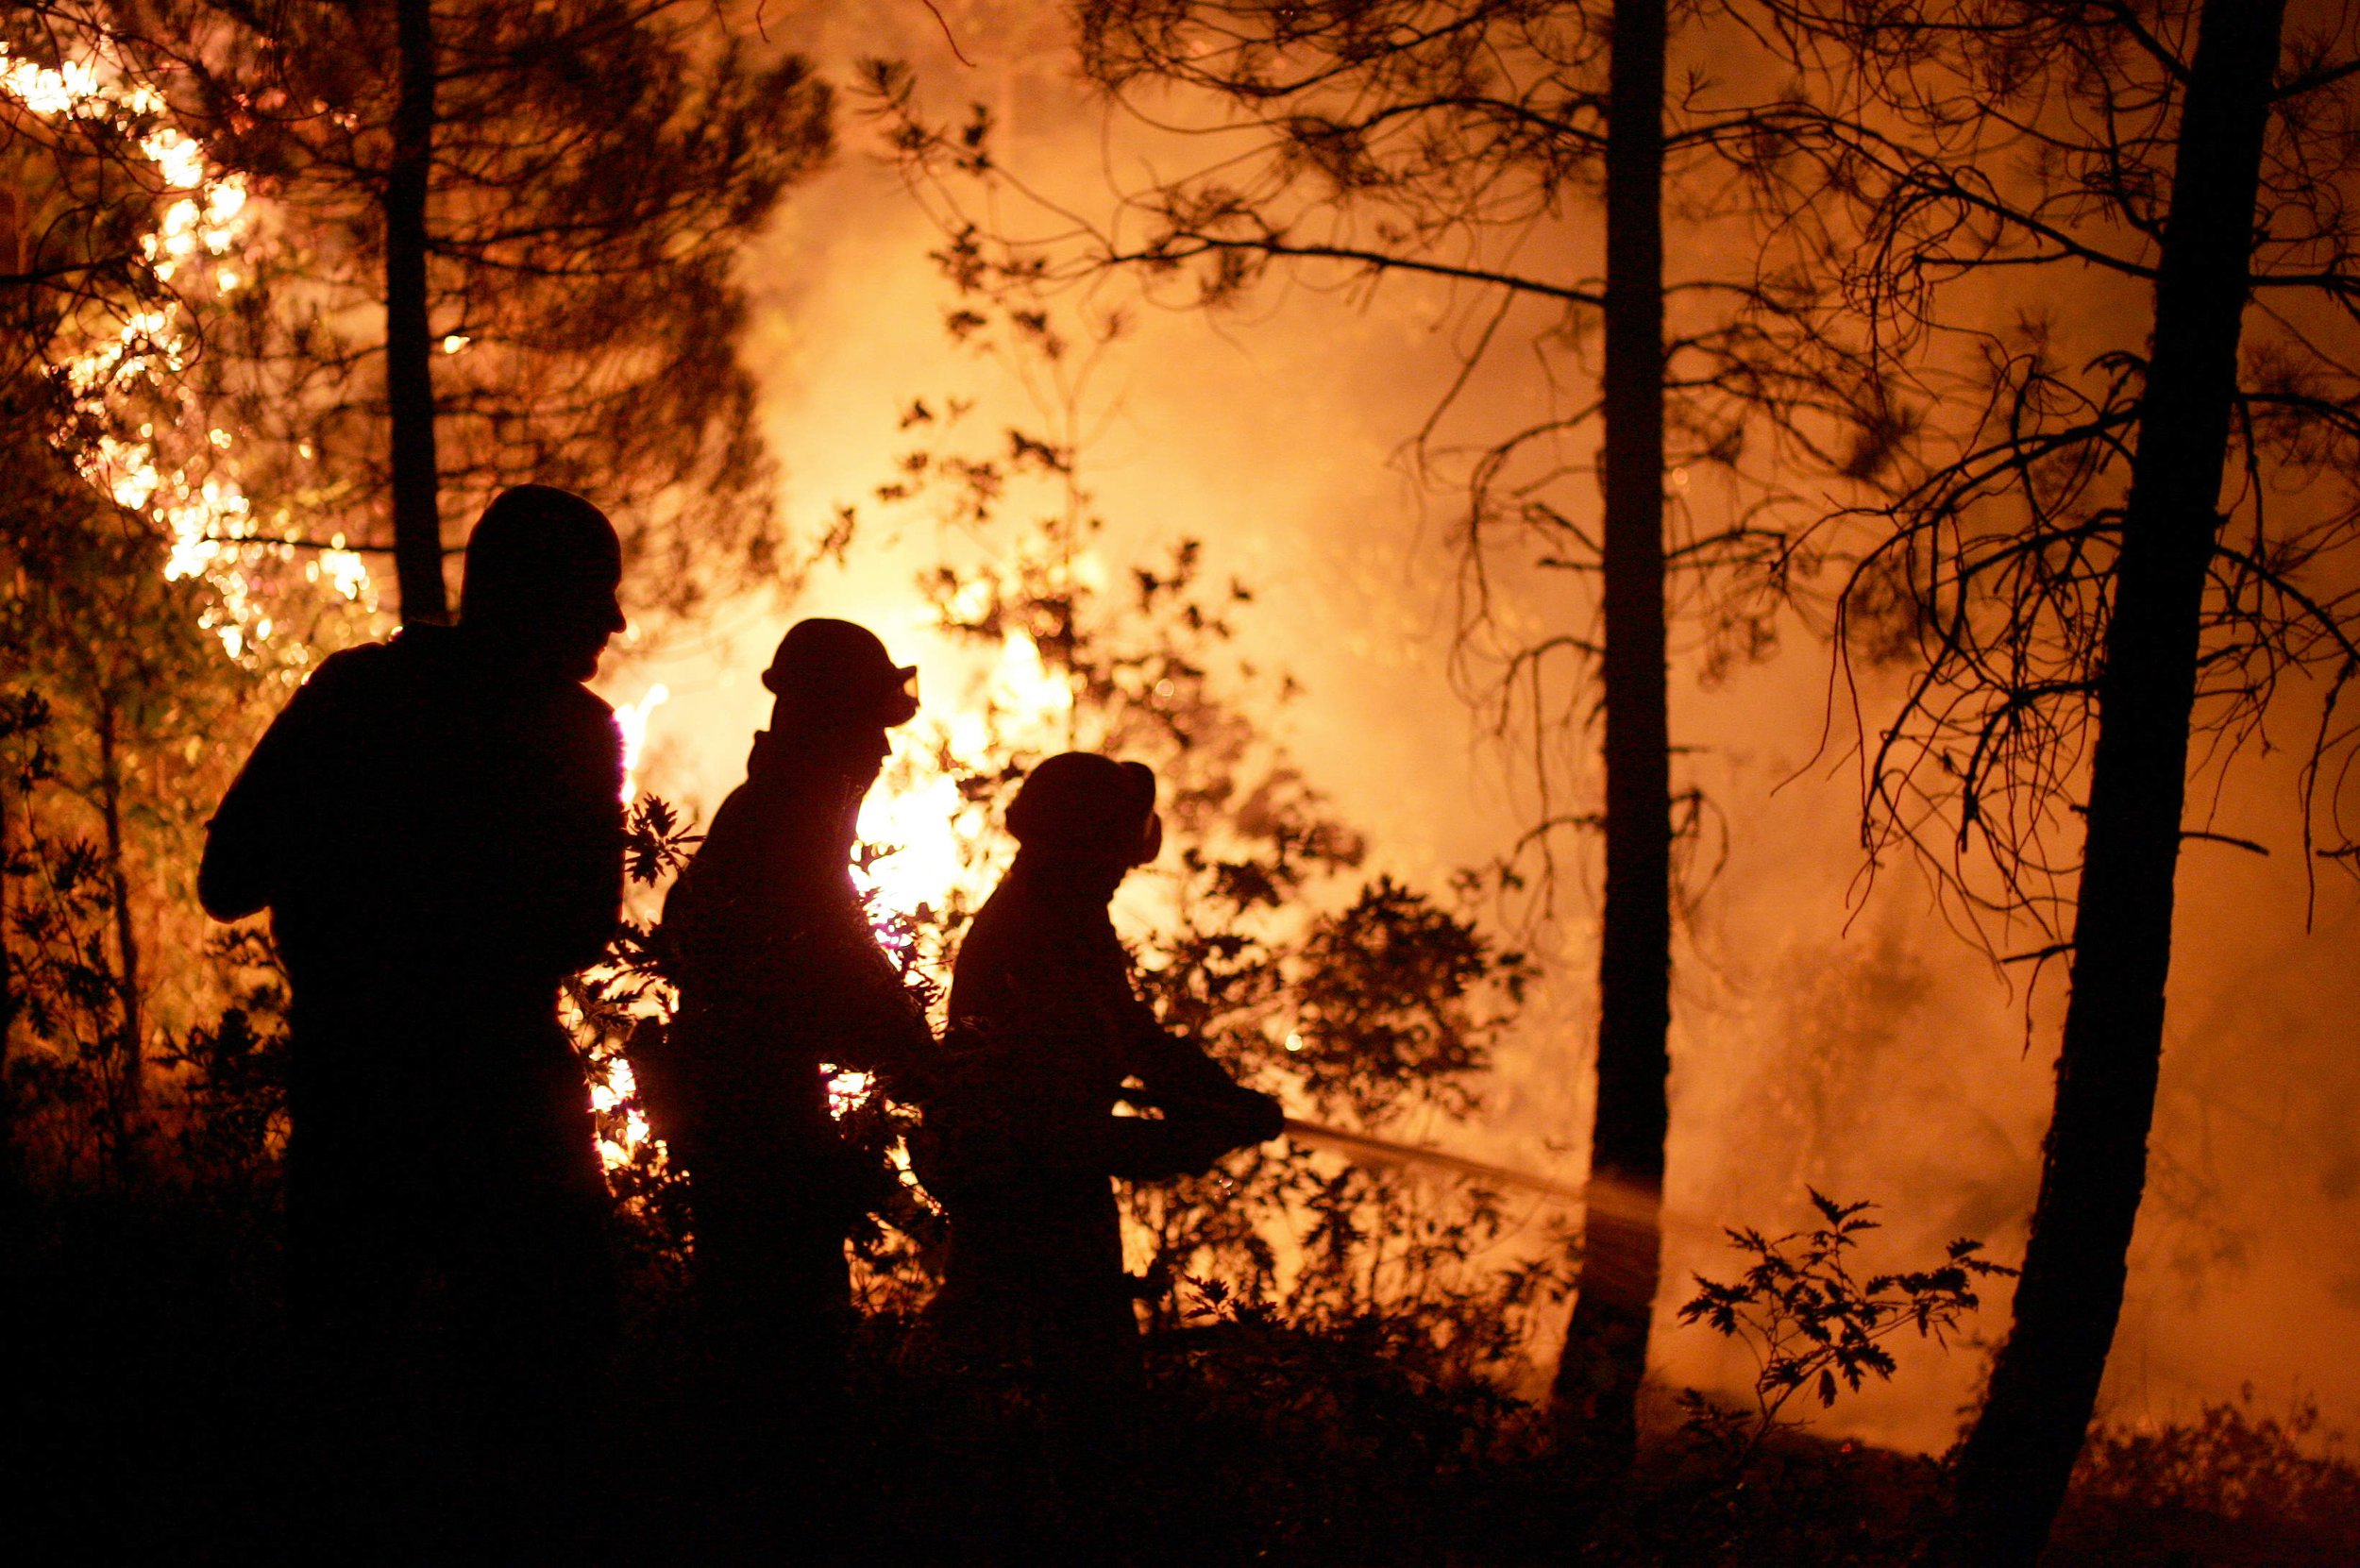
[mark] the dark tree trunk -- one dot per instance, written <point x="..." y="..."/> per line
<point x="11" y="1168"/>
<point x="409" y="344"/>
<point x="2044" y="1384"/>
<point x="130" y="1054"/>
<point x="1606" y="1347"/>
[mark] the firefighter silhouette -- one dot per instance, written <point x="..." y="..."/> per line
<point x="435" y="825"/>
<point x="780" y="973"/>
<point x="1047" y="1036"/>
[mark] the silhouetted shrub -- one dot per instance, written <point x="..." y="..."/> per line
<point x="2233" y="1488"/>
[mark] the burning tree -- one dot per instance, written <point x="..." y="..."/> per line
<point x="138" y="606"/>
<point x="207" y="364"/>
<point x="499" y="245"/>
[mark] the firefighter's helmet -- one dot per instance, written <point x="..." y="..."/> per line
<point x="1081" y="803"/>
<point x="837" y="670"/>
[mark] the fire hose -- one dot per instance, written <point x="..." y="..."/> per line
<point x="1608" y="1199"/>
<point x="1605" y="1199"/>
<point x="1363" y="1148"/>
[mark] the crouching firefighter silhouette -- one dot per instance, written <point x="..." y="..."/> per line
<point x="435" y="825"/>
<point x="1020" y="1135"/>
<point x="779" y="973"/>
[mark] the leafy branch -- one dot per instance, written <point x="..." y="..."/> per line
<point x="1812" y="1324"/>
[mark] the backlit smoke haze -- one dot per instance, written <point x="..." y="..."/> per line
<point x="1826" y="1032"/>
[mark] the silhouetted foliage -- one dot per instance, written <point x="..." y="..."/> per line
<point x="2233" y="1487"/>
<point x="233" y="1092"/>
<point x="1814" y="1326"/>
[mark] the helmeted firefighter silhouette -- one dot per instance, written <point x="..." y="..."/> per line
<point x="1046" y="1032"/>
<point x="435" y="824"/>
<point x="779" y="973"/>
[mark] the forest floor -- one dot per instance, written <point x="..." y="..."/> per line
<point x="160" y="1415"/>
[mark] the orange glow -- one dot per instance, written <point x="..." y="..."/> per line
<point x="209" y="520"/>
<point x="938" y="837"/>
<point x="941" y="844"/>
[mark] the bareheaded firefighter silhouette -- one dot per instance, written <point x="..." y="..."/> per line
<point x="434" y="824"/>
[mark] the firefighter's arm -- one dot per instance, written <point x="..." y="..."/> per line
<point x="1139" y="1149"/>
<point x="1177" y="1075"/>
<point x="260" y="830"/>
<point x="586" y="865"/>
<point x="1190" y="1136"/>
<point x="1206" y="1113"/>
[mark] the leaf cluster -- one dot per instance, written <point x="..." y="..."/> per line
<point x="1813" y="1325"/>
<point x="233" y="1071"/>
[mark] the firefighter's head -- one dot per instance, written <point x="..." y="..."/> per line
<point x="1079" y="806"/>
<point x="831" y="673"/>
<point x="542" y="567"/>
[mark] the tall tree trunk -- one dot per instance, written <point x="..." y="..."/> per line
<point x="2045" y="1383"/>
<point x="1606" y="1347"/>
<point x="409" y="344"/>
<point x="130" y="1054"/>
<point x="11" y="1165"/>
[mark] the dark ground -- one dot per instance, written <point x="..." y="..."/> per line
<point x="157" y="1417"/>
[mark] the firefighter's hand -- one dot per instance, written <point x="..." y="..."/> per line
<point x="1141" y="1149"/>
<point x="1204" y="1133"/>
<point x="1260" y="1118"/>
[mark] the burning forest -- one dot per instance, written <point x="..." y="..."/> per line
<point x="1420" y="780"/>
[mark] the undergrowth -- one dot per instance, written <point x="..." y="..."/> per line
<point x="155" y="1409"/>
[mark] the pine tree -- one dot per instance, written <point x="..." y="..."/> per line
<point x="499" y="245"/>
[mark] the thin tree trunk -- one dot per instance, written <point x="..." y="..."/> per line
<point x="2044" y="1384"/>
<point x="11" y="1165"/>
<point x="1606" y="1345"/>
<point x="130" y="1058"/>
<point x="409" y="346"/>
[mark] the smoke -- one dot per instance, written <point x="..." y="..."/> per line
<point x="1831" y="1031"/>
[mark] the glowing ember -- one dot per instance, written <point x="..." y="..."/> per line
<point x="619" y="1086"/>
<point x="615" y="1093"/>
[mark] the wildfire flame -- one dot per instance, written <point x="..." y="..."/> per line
<point x="209" y="520"/>
<point x="631" y="719"/>
<point x="929" y="826"/>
